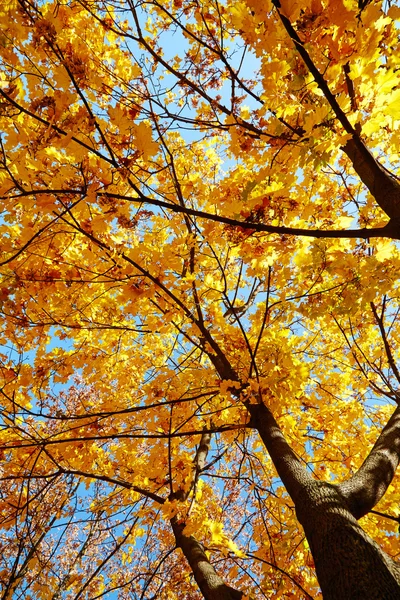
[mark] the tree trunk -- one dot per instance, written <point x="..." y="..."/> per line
<point x="349" y="564"/>
<point x="210" y="583"/>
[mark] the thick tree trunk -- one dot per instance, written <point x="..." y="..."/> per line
<point x="349" y="564"/>
<point x="367" y="486"/>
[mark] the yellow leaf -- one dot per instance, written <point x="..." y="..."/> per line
<point x="384" y="251"/>
<point x="144" y="142"/>
<point x="216" y="530"/>
<point x="393" y="105"/>
<point x="394" y="12"/>
<point x="345" y="222"/>
<point x="233" y="547"/>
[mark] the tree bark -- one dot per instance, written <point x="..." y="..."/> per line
<point x="211" y="585"/>
<point x="383" y="186"/>
<point x="366" y="487"/>
<point x="349" y="564"/>
<point x="294" y="475"/>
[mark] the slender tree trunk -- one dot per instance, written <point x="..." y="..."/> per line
<point x="211" y="585"/>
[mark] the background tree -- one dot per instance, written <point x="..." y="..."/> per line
<point x="181" y="292"/>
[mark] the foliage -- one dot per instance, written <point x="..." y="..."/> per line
<point x="178" y="180"/>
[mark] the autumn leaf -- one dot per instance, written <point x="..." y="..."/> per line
<point x="144" y="142"/>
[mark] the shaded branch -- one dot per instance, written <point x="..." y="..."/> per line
<point x="388" y="350"/>
<point x="366" y="487"/>
<point x="282" y="571"/>
<point x="388" y="231"/>
<point x="52" y="126"/>
<point x="211" y="585"/>
<point x="386" y="516"/>
<point x="384" y="187"/>
<point x="52" y="442"/>
<point x="112" y="481"/>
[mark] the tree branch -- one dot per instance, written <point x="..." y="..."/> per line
<point x="388" y="231"/>
<point x="388" y="350"/>
<point x="292" y="472"/>
<point x="364" y="233"/>
<point x="210" y="583"/>
<point x="112" y="481"/>
<point x="52" y="126"/>
<point x="384" y="187"/>
<point x="366" y="487"/>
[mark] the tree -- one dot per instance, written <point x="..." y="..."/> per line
<point x="199" y="357"/>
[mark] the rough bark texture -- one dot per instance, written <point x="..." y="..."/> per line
<point x="364" y="490"/>
<point x="382" y="185"/>
<point x="349" y="564"/>
<point x="210" y="583"/>
<point x="290" y="469"/>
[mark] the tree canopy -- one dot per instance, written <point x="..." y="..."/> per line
<point x="200" y="215"/>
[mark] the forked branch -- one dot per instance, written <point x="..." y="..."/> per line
<point x="366" y="487"/>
